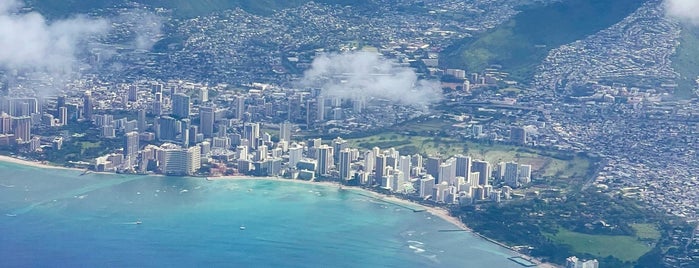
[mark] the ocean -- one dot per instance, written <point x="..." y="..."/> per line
<point x="58" y="218"/>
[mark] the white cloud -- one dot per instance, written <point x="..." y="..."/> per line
<point x="145" y="25"/>
<point x="364" y="74"/>
<point x="684" y="10"/>
<point x="28" y="42"/>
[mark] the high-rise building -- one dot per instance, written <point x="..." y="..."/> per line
<point x="142" y="123"/>
<point x="22" y="128"/>
<point x="369" y="162"/>
<point x="63" y="115"/>
<point x="23" y="106"/>
<point x="426" y="186"/>
<point x="432" y="167"/>
<point x="447" y="172"/>
<point x="463" y="166"/>
<point x="193" y="133"/>
<point x="285" y="131"/>
<point x="158" y="104"/>
<point x="206" y="124"/>
<point x="131" y="147"/>
<point x="203" y="94"/>
<point x="87" y="105"/>
<point x="512" y="174"/>
<point x="477" y="131"/>
<point x="295" y="154"/>
<point x="525" y="174"/>
<point x="108" y="131"/>
<point x="338" y="145"/>
<point x="324" y="160"/>
<point x="168" y="128"/>
<point x="60" y="102"/>
<point x="47" y="120"/>
<point x="320" y="114"/>
<point x="345" y="164"/>
<point x="379" y="168"/>
<point x="251" y="132"/>
<point x="133" y="93"/>
<point x="417" y="161"/>
<point x="5" y="123"/>
<point x="240" y="107"/>
<point x="157" y="88"/>
<point x="178" y="161"/>
<point x="483" y="168"/>
<point x="518" y="135"/>
<point x="180" y="105"/>
<point x="404" y="165"/>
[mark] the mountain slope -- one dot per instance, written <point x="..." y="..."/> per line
<point x="686" y="60"/>
<point x="521" y="43"/>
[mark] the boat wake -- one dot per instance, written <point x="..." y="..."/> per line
<point x="416" y="249"/>
<point x="11" y="215"/>
<point x="7" y="186"/>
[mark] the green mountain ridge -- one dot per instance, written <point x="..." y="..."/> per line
<point x="686" y="62"/>
<point x="520" y="44"/>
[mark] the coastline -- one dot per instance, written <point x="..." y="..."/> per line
<point x="435" y="211"/>
<point x="36" y="164"/>
<point x="442" y="213"/>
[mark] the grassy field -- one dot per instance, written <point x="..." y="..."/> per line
<point x="624" y="248"/>
<point x="646" y="231"/>
<point x="86" y="145"/>
<point x="520" y="44"/>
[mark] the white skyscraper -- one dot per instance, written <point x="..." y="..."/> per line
<point x="295" y="154"/>
<point x="131" y="147"/>
<point x="447" y="172"/>
<point x="426" y="186"/>
<point x="512" y="174"/>
<point x="404" y="165"/>
<point x="285" y="131"/>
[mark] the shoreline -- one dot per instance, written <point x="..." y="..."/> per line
<point x="442" y="213"/>
<point x="35" y="164"/>
<point x="439" y="212"/>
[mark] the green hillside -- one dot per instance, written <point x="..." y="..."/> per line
<point x="523" y="42"/>
<point x="686" y="61"/>
<point x="184" y="8"/>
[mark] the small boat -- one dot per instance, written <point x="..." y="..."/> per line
<point x="138" y="222"/>
<point x="242" y="227"/>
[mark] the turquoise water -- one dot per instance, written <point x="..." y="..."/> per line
<point x="51" y="218"/>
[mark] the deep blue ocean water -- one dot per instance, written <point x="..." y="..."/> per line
<point x="57" y="218"/>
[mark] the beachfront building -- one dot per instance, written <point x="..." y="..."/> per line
<point x="574" y="262"/>
<point x="175" y="160"/>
